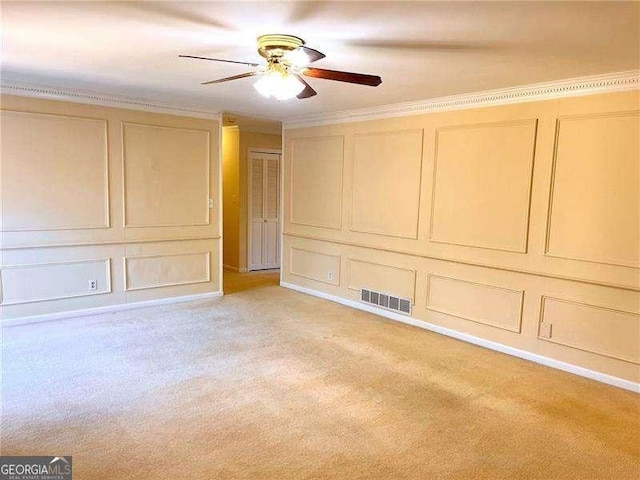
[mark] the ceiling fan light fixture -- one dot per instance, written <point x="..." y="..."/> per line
<point x="297" y="57"/>
<point x="280" y="85"/>
<point x="287" y="59"/>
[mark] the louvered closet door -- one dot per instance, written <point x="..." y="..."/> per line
<point x="264" y="206"/>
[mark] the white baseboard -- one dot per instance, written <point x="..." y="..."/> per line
<point x="107" y="309"/>
<point x="235" y="269"/>
<point x="499" y="347"/>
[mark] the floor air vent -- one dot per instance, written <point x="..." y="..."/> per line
<point x="384" y="300"/>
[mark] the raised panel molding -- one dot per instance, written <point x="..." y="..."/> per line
<point x="142" y="272"/>
<point x="53" y="281"/>
<point x="169" y="186"/>
<point x="594" y="212"/>
<point x="387" y="173"/>
<point x="316" y="165"/>
<point x="490" y="305"/>
<point x="382" y="278"/>
<point x="631" y="285"/>
<point x="591" y="328"/>
<point x="315" y="265"/>
<point x="481" y="195"/>
<point x="107" y="242"/>
<point x="55" y="172"/>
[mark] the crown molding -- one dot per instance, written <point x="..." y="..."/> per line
<point x="612" y="82"/>
<point x="23" y="89"/>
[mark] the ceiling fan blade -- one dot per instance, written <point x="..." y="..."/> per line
<point x="220" y="60"/>
<point x="308" y="91"/>
<point x="235" y="77"/>
<point x="349" y="77"/>
<point x="312" y="53"/>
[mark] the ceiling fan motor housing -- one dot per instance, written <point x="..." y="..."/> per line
<point x="277" y="45"/>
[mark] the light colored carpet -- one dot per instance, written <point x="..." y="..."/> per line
<point x="273" y="384"/>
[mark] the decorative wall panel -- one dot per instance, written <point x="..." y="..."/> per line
<point x="53" y="281"/>
<point x="382" y="278"/>
<point x="155" y="271"/>
<point x="482" y="185"/>
<point x="594" y="211"/>
<point x="166" y="176"/>
<point x="316" y="181"/>
<point x="488" y="304"/>
<point x="595" y="329"/>
<point x="387" y="168"/>
<point x="54" y="172"/>
<point x="317" y="266"/>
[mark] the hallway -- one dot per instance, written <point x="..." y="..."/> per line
<point x="234" y="282"/>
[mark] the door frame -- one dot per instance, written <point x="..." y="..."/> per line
<point x="275" y="151"/>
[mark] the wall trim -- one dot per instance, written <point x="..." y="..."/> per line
<point x="106" y="242"/>
<point x="584" y="348"/>
<point x="335" y="282"/>
<point x="520" y="293"/>
<point x="499" y="347"/>
<point x="351" y="260"/>
<point x="105" y="261"/>
<point x="106" y="200"/>
<point x="25" y="89"/>
<point x="355" y="173"/>
<point x="47" y="317"/>
<point x="552" y="185"/>
<point x="290" y="152"/>
<point x="207" y="161"/>
<point x="472" y="263"/>
<point x="531" y="122"/>
<point x="126" y="259"/>
<point x="573" y="87"/>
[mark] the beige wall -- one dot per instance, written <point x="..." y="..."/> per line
<point x="504" y="223"/>
<point x="231" y="196"/>
<point x="115" y="197"/>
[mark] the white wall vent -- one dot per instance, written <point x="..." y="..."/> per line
<point x="384" y="300"/>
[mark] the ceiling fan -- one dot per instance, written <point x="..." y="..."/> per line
<point x="287" y="59"/>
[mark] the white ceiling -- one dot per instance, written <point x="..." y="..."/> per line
<point x="421" y="50"/>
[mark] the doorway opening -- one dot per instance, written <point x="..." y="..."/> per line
<point x="252" y="227"/>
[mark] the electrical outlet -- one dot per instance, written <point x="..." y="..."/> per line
<point x="93" y="284"/>
<point x="545" y="330"/>
<point x="330" y="275"/>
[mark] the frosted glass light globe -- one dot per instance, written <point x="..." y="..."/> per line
<point x="278" y="85"/>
